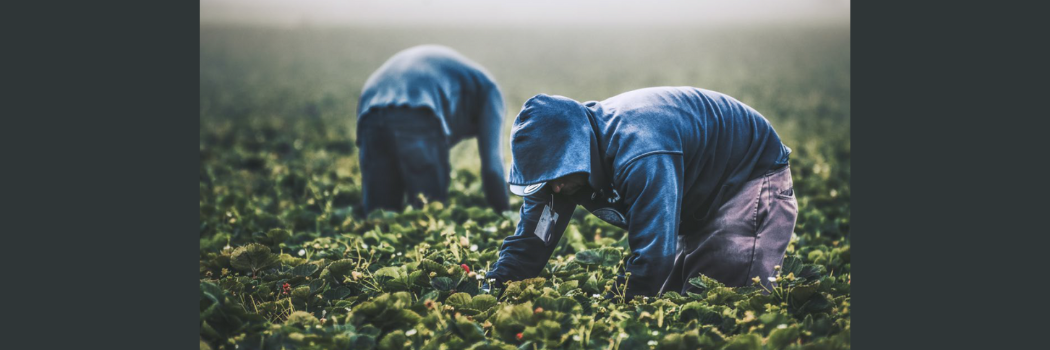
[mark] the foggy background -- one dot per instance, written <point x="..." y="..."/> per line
<point x="302" y="63"/>
<point x="489" y="12"/>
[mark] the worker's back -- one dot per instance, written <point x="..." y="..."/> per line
<point x="455" y="88"/>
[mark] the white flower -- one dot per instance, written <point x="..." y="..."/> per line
<point x="411" y="332"/>
<point x="364" y="245"/>
<point x="576" y="337"/>
<point x="596" y="296"/>
<point x="652" y="343"/>
<point x="302" y="252"/>
<point x="771" y="279"/>
<point x="480" y="277"/>
<point x="227" y="247"/>
<point x="656" y="333"/>
<point x="782" y="326"/>
<point x="473" y="247"/>
<point x="400" y="254"/>
<point x="623" y="335"/>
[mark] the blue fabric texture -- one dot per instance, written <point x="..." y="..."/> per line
<point x="658" y="159"/>
<point x="402" y="155"/>
<point x="461" y="95"/>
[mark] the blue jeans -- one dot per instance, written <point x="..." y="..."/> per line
<point x="403" y="153"/>
<point x="745" y="237"/>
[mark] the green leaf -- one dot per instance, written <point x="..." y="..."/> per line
<point x="305" y="270"/>
<point x="782" y="338"/>
<point x="393" y="341"/>
<point x="483" y="302"/>
<point x="459" y="300"/>
<point x="337" y="271"/>
<point x="337" y="293"/>
<point x="745" y="342"/>
<point x="589" y="257"/>
<point x="277" y="236"/>
<point x="443" y="284"/>
<point x="253" y="257"/>
<point x="303" y="319"/>
<point x="610" y="257"/>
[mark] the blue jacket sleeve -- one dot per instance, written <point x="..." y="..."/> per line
<point x="524" y="254"/>
<point x="653" y="191"/>
<point x="491" y="152"/>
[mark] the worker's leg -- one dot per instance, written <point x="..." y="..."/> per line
<point x="779" y="211"/>
<point x="381" y="183"/>
<point x="746" y="237"/>
<point x="422" y="152"/>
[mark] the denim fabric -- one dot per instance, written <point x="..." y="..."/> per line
<point x="747" y="240"/>
<point x="403" y="152"/>
<point x="463" y="99"/>
<point x="657" y="159"/>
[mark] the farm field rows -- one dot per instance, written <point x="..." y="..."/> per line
<point x="287" y="260"/>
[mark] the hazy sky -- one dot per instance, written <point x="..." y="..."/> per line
<point x="488" y="12"/>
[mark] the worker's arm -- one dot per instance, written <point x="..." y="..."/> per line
<point x="653" y="190"/>
<point x="524" y="254"/>
<point x="489" y="124"/>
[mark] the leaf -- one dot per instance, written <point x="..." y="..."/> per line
<point x="550" y="304"/>
<point x="429" y="266"/>
<point x="459" y="300"/>
<point x="337" y="293"/>
<point x="337" y="271"/>
<point x="592" y="285"/>
<point x="393" y="341"/>
<point x="589" y="257"/>
<point x="483" y="302"/>
<point x="745" y="342"/>
<point x="610" y="257"/>
<point x="302" y="318"/>
<point x="277" y="236"/>
<point x="443" y="284"/>
<point x="305" y="270"/>
<point x="253" y="257"/>
<point x="782" y="338"/>
<point x="388" y="273"/>
<point x="704" y="283"/>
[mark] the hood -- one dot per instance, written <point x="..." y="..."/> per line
<point x="554" y="136"/>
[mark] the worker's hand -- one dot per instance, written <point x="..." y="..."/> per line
<point x="491" y="283"/>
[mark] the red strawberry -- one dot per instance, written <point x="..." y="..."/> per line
<point x="465" y="267"/>
<point x="518" y="336"/>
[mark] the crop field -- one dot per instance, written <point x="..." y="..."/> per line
<point x="288" y="260"/>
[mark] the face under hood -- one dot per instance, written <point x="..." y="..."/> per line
<point x="553" y="136"/>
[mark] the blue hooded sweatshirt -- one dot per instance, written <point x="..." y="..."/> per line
<point x="459" y="92"/>
<point x="658" y="161"/>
